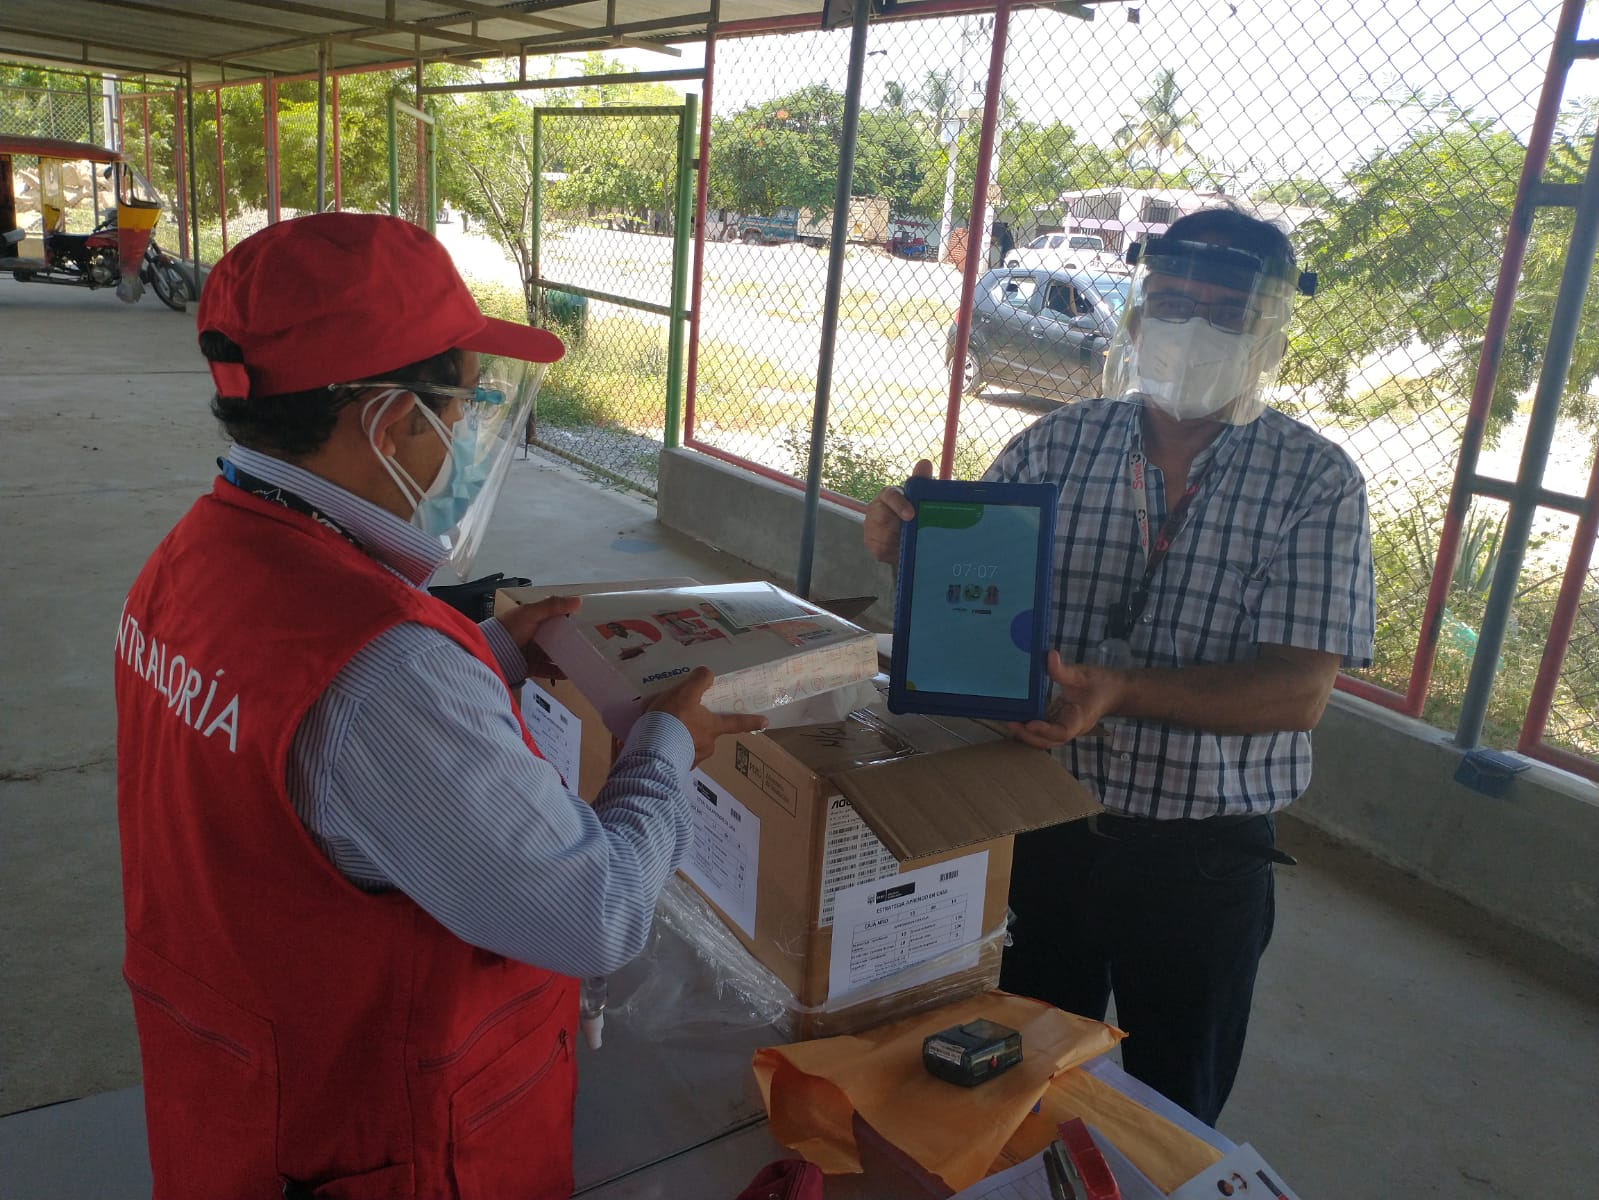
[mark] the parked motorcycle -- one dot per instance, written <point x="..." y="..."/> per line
<point x="161" y="271"/>
<point x="99" y="259"/>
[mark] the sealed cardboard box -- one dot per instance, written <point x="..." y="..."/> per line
<point x="566" y="726"/>
<point x="872" y="849"/>
<point x="770" y="651"/>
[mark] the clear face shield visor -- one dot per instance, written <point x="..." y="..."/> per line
<point x="1203" y="331"/>
<point x="493" y="417"/>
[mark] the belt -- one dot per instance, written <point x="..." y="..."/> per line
<point x="1116" y="828"/>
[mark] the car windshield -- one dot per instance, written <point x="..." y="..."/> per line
<point x="1113" y="292"/>
<point x="1084" y="242"/>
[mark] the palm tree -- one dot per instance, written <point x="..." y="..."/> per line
<point x="1160" y="121"/>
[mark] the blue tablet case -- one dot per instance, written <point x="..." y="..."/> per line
<point x="969" y="633"/>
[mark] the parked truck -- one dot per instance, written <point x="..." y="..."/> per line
<point x="868" y="223"/>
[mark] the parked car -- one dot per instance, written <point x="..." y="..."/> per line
<point x="1041" y="332"/>
<point x="1072" y="251"/>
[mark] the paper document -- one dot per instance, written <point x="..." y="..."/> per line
<point x="889" y="925"/>
<point x="1242" y="1174"/>
<point x="851" y="854"/>
<point x="727" y="851"/>
<point x="556" y="730"/>
<point x="1025" y="1181"/>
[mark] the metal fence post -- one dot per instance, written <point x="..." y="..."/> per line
<point x="682" y="217"/>
<point x="535" y="298"/>
<point x="1535" y="454"/>
<point x="696" y="278"/>
<point x="831" y="296"/>
<point x="394" y="161"/>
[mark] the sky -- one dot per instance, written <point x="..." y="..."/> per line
<point x="1279" y="87"/>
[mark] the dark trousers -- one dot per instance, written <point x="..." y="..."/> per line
<point x="1171" y="916"/>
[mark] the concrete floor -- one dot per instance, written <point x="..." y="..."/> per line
<point x="1402" y="1042"/>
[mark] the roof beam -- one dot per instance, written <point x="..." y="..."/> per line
<point x="53" y="60"/>
<point x="364" y="24"/>
<point x="160" y="54"/>
<point x="188" y="14"/>
<point x="491" y="12"/>
<point x="685" y="20"/>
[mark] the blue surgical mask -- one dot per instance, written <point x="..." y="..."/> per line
<point x="440" y="506"/>
<point x="461" y="478"/>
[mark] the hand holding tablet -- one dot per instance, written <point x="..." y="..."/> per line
<point x="971" y="613"/>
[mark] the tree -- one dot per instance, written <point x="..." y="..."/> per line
<point x="1158" y="124"/>
<point x="1299" y="190"/>
<point x="1412" y="254"/>
<point x="486" y="165"/>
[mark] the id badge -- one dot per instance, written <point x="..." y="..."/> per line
<point x="1115" y="652"/>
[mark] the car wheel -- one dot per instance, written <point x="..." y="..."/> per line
<point x="752" y="237"/>
<point x="971" y="374"/>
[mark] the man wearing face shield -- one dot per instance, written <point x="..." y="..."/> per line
<point x="356" y="895"/>
<point x="1213" y="574"/>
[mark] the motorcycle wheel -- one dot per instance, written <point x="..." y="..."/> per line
<point x="171" y="288"/>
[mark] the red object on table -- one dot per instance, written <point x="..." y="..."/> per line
<point x="1090" y="1163"/>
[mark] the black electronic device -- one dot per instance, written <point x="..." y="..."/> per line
<point x="972" y="1053"/>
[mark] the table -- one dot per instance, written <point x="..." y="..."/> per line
<point x="658" y="1116"/>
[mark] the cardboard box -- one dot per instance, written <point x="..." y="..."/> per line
<point x="567" y="728"/>
<point x="794" y="827"/>
<point x="769" y="650"/>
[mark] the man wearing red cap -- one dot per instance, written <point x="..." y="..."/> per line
<point x="356" y="896"/>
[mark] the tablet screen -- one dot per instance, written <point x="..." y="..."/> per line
<point x="974" y="586"/>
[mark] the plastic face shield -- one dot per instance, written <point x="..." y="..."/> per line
<point x="498" y="410"/>
<point x="480" y="442"/>
<point x="1203" y="331"/>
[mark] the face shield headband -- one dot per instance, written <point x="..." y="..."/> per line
<point x="1204" y="330"/>
<point x="458" y="506"/>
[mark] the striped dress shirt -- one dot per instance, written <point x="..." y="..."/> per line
<point x="1275" y="550"/>
<point x="410" y="773"/>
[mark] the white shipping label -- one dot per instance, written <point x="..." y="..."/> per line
<point x="890" y="925"/>
<point x="851" y="854"/>
<point x="556" y="729"/>
<point x="727" y="851"/>
<point x="758" y="608"/>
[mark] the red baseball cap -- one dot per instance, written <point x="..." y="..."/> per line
<point x="337" y="297"/>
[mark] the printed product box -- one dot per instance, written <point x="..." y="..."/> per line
<point x="845" y="856"/>
<point x="567" y="728"/>
<point x="770" y="651"/>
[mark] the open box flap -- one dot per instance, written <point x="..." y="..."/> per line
<point x="928" y="803"/>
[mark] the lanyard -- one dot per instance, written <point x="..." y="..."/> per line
<point x="274" y="494"/>
<point x="1125" y="615"/>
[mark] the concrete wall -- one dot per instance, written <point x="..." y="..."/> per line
<point x="1383" y="782"/>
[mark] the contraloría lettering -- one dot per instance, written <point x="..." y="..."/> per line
<point x="179" y="682"/>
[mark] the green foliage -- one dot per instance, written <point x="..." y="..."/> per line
<point x="1157" y="126"/>
<point x="1411" y="255"/>
<point x="1396" y="398"/>
<point x="782" y="151"/>
<point x="486" y="165"/>
<point x="1300" y="190"/>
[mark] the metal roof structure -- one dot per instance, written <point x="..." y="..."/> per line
<point x="234" y="39"/>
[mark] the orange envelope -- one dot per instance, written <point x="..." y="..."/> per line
<point x="1168" y="1154"/>
<point x="813" y="1090"/>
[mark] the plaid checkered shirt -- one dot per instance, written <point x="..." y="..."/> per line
<point x="1275" y="550"/>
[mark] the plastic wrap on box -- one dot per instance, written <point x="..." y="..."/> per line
<point x="696" y="978"/>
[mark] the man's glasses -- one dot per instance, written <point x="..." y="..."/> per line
<point x="472" y="395"/>
<point x="1230" y="316"/>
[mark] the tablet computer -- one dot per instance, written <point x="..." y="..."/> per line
<point x="976" y="568"/>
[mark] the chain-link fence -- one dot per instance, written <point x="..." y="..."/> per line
<point x="1387" y="138"/>
<point x="73" y="114"/>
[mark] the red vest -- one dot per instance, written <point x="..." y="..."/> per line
<point x="292" y="1026"/>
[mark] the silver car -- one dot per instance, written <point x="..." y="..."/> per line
<point x="1041" y="332"/>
